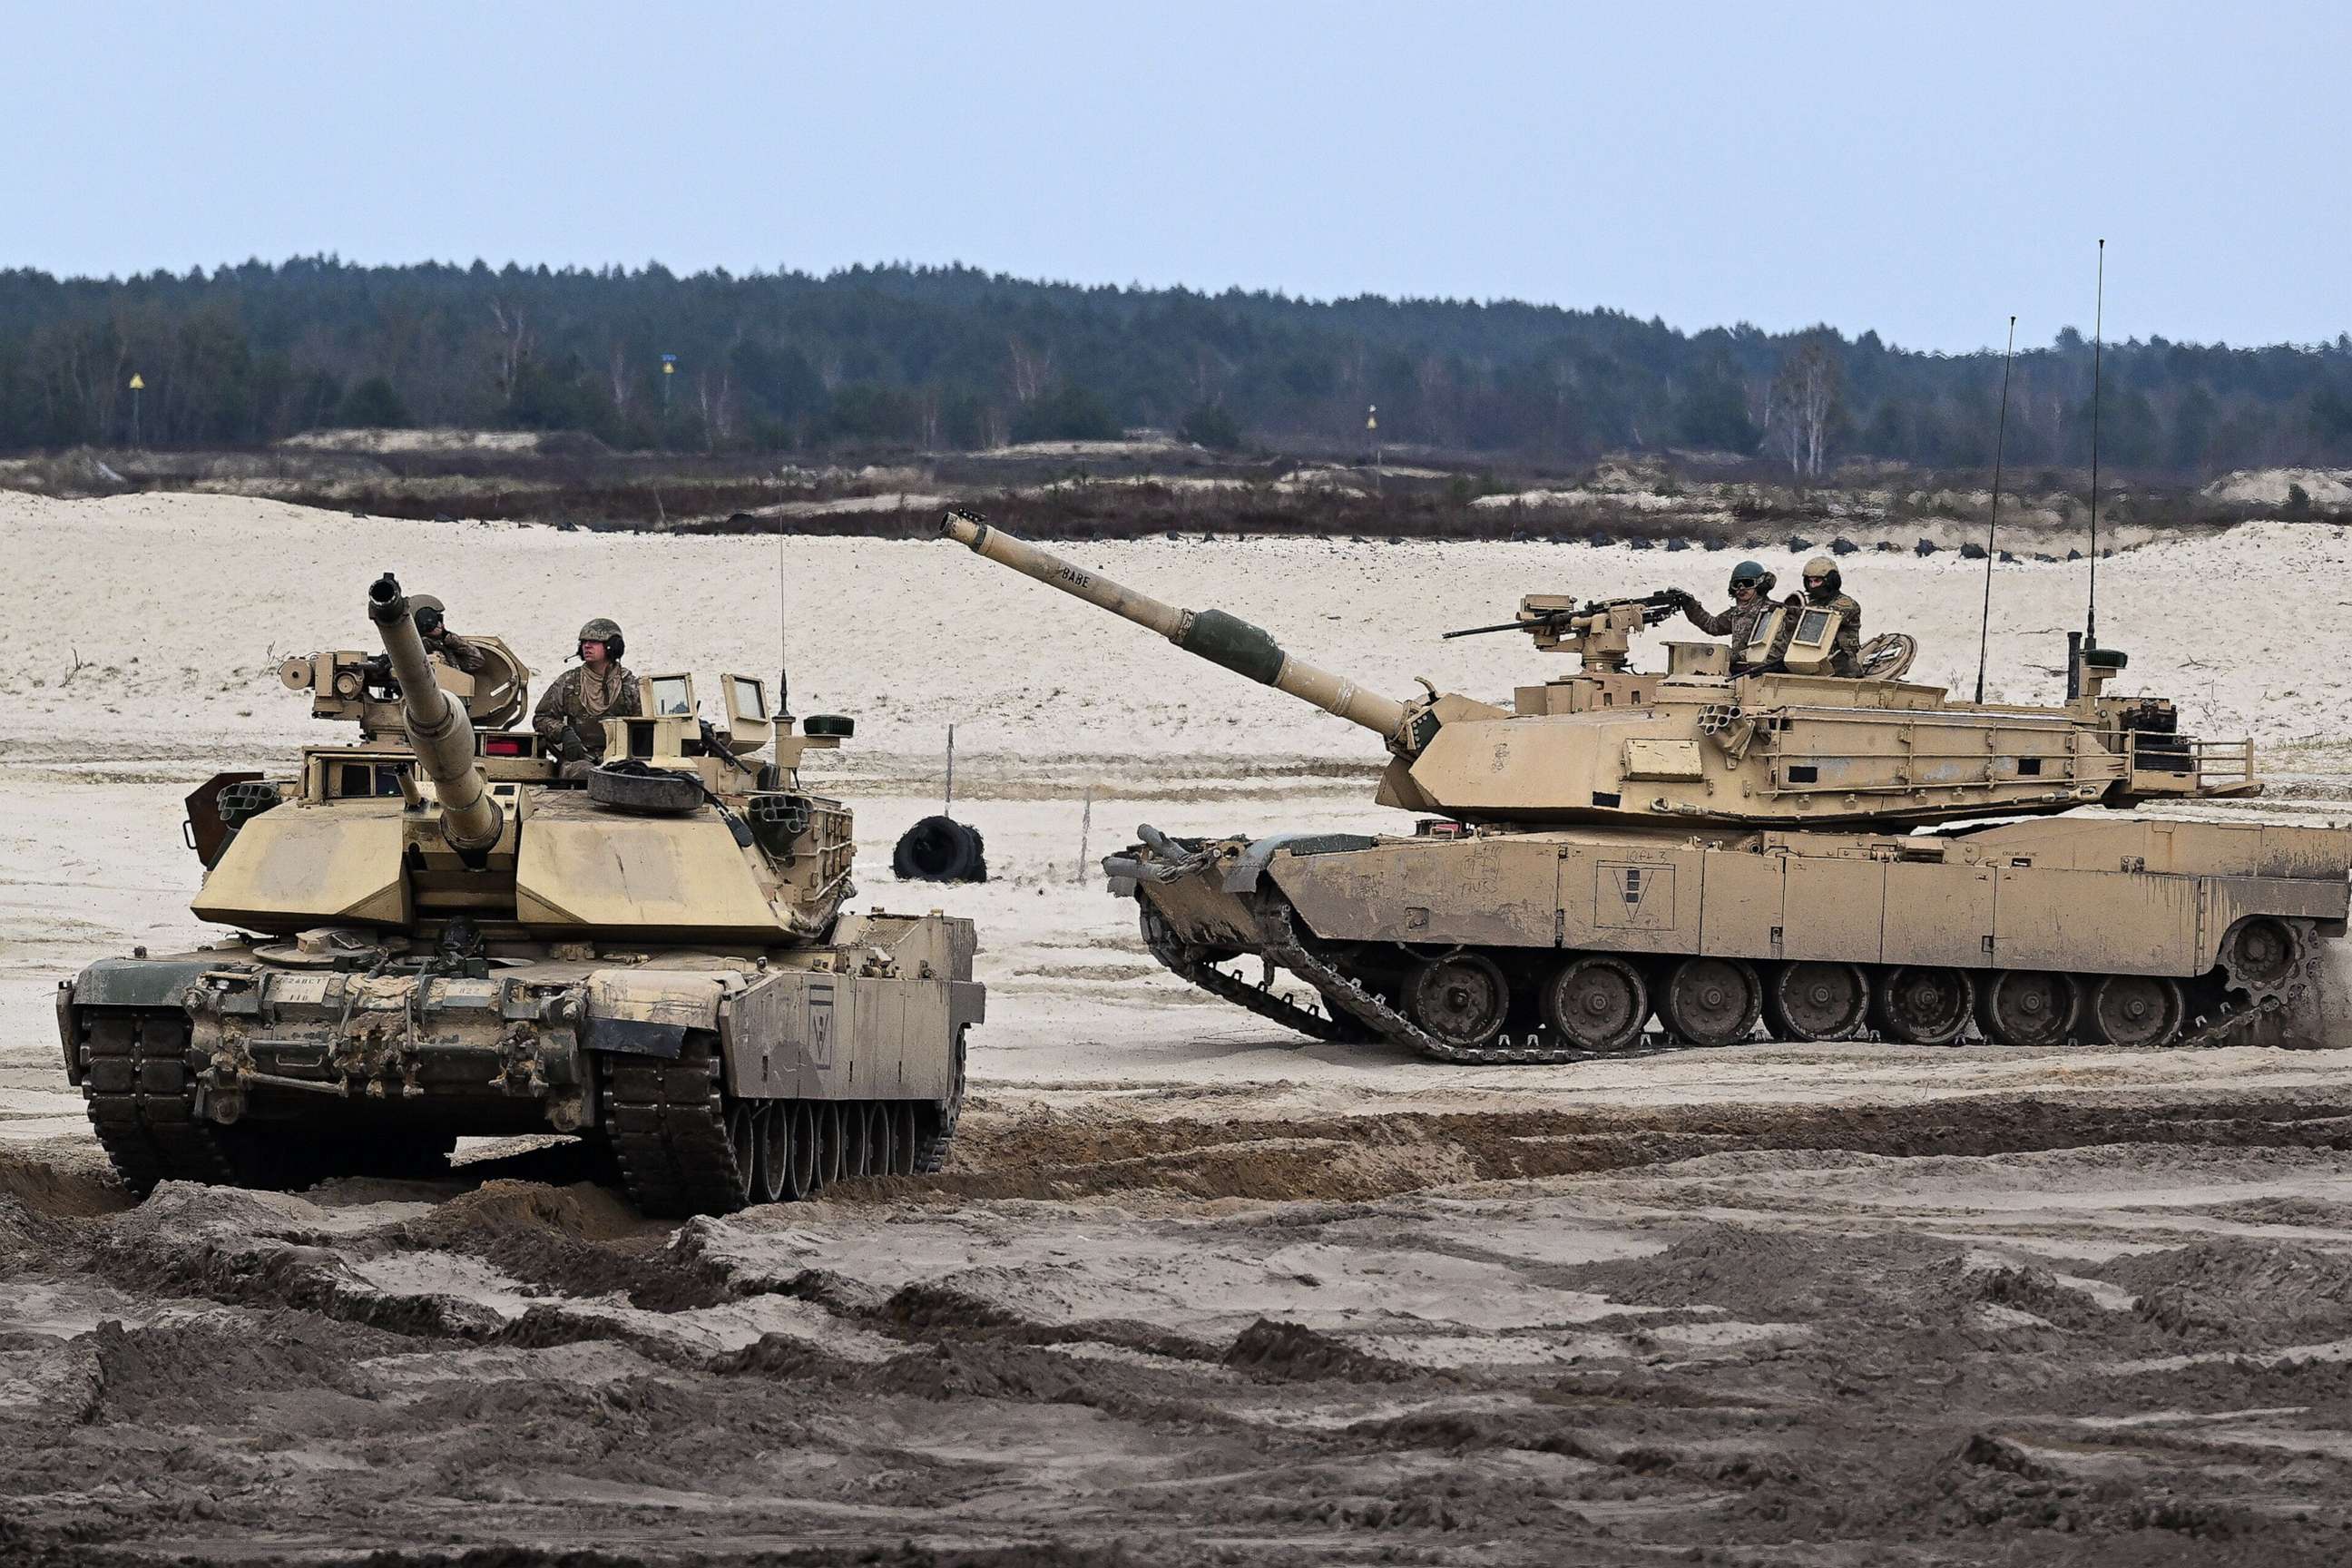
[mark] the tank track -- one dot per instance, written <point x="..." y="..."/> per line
<point x="665" y="1126"/>
<point x="666" y="1123"/>
<point x="2233" y="1018"/>
<point x="139" y="1090"/>
<point x="1193" y="963"/>
<point x="931" y="1154"/>
<point x="1286" y="947"/>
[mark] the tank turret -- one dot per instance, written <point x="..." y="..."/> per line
<point x="440" y="731"/>
<point x="1695" y="743"/>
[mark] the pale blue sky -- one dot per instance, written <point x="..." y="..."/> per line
<point x="1925" y="171"/>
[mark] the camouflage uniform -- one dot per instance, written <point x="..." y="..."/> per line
<point x="1846" y="653"/>
<point x="1737" y="626"/>
<point x="570" y="716"/>
<point x="455" y="650"/>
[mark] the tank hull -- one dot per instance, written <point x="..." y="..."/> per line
<point x="1537" y="946"/>
<point x="709" y="1079"/>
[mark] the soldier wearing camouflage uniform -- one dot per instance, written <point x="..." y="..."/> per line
<point x="1750" y="588"/>
<point x="433" y="631"/>
<point x="571" y="718"/>
<point x="1823" y="586"/>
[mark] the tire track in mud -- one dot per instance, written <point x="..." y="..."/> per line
<point x="1005" y="1151"/>
<point x="1796" y="1390"/>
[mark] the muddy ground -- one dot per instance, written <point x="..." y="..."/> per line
<point x="2008" y="1331"/>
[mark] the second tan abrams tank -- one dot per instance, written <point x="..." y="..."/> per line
<point x="1711" y="850"/>
<point x="440" y="931"/>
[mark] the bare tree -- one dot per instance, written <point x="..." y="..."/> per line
<point x="619" y="372"/>
<point x="514" y="344"/>
<point x="1032" y="371"/>
<point x="1799" y="404"/>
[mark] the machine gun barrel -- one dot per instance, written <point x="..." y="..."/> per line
<point x="1213" y="635"/>
<point x="440" y="731"/>
<point x="1656" y="607"/>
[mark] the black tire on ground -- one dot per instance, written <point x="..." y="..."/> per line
<point x="1461" y="998"/>
<point x="2026" y="1007"/>
<point x="902" y="1137"/>
<point x="1807" y="1001"/>
<point x="828" y="1142"/>
<point x="853" y="1127"/>
<point x="941" y="850"/>
<point x="1597" y="1002"/>
<point x="775" y="1155"/>
<point x="1921" y="1004"/>
<point x="1711" y="1001"/>
<point x="804" y="1146"/>
<point x="2134" y="1010"/>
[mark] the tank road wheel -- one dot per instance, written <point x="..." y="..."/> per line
<point x="828" y="1142"/>
<point x="2137" y="1010"/>
<point x="1923" y="1005"/>
<point x="2262" y="954"/>
<point x="902" y="1138"/>
<point x="1712" y="1001"/>
<point x="881" y="1127"/>
<point x="854" y="1147"/>
<point x="775" y="1155"/>
<point x="1462" y="998"/>
<point x="803" y="1173"/>
<point x="2026" y="1007"/>
<point x="1597" y="1003"/>
<point x="1808" y="1002"/>
<point x="743" y="1120"/>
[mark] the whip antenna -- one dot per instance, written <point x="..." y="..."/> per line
<point x="2098" y="341"/>
<point x="1992" y="528"/>
<point x="783" y="634"/>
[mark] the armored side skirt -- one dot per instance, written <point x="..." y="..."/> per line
<point x="2111" y="897"/>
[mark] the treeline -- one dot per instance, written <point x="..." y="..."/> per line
<point x="953" y="358"/>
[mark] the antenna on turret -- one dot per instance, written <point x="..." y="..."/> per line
<point x="783" y="639"/>
<point x="2098" y="341"/>
<point x="1992" y="528"/>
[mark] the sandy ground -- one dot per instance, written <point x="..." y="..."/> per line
<point x="1192" y="1290"/>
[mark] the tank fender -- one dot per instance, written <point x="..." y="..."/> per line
<point x="1241" y="872"/>
<point x="139" y="981"/>
<point x="647" y="1012"/>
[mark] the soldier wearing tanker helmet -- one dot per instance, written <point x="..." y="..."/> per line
<point x="1825" y="590"/>
<point x="1751" y="588"/>
<point x="571" y="718"/>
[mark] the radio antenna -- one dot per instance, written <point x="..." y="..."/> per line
<point x="2098" y="342"/>
<point x="783" y="635"/>
<point x="1992" y="528"/>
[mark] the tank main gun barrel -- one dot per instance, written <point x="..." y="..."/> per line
<point x="440" y="731"/>
<point x="1212" y="634"/>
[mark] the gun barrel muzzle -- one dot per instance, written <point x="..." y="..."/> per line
<point x="1213" y="635"/>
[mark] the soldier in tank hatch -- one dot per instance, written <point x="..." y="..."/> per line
<point x="571" y="718"/>
<point x="433" y="631"/>
<point x="1825" y="590"/>
<point x="1751" y="588"/>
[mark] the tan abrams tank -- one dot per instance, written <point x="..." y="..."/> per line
<point x="441" y="935"/>
<point x="1711" y="850"/>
